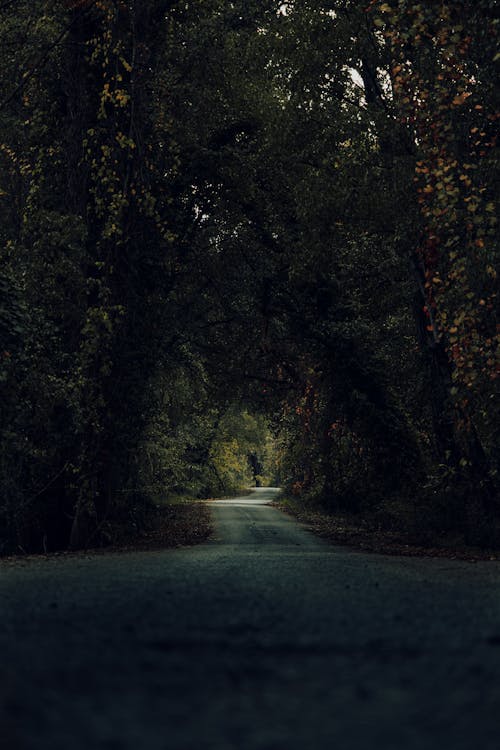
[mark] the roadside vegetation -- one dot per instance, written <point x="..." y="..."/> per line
<point x="248" y="243"/>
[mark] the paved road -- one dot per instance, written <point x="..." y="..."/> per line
<point x="265" y="638"/>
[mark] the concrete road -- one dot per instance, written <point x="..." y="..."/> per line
<point x="266" y="638"/>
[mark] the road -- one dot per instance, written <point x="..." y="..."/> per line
<point x="265" y="638"/>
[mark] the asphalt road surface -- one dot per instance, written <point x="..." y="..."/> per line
<point x="265" y="638"/>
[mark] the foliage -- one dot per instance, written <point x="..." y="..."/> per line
<point x="442" y="76"/>
<point x="244" y="242"/>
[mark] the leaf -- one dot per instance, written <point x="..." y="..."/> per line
<point x="461" y="98"/>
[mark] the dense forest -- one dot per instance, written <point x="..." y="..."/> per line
<point x="247" y="241"/>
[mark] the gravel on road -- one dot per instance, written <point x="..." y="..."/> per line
<point x="263" y="638"/>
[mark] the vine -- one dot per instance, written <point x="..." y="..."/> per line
<point x="440" y="96"/>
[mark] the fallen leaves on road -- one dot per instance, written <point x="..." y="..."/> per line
<point x="176" y="525"/>
<point x="355" y="532"/>
<point x="164" y="527"/>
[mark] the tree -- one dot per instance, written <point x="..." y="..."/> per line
<point x="281" y="210"/>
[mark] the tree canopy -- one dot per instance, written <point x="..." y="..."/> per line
<point x="247" y="242"/>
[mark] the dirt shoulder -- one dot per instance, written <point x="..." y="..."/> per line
<point x="177" y="525"/>
<point x="165" y="527"/>
<point x="359" y="534"/>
